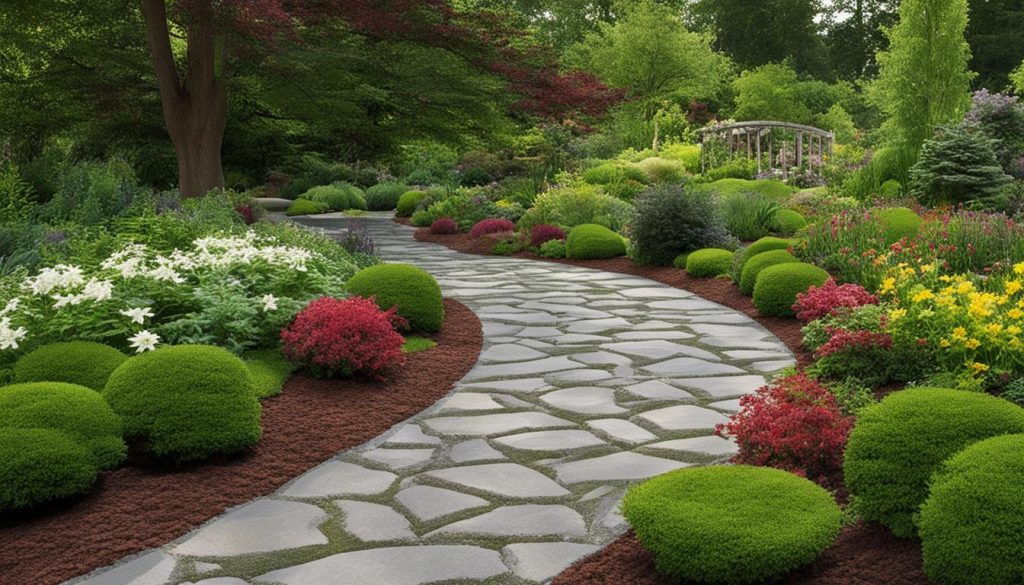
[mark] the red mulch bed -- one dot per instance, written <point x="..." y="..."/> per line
<point x="135" y="508"/>
<point x="864" y="553"/>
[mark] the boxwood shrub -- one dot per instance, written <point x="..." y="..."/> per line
<point x="186" y="402"/>
<point x="898" y="223"/>
<point x="590" y="241"/>
<point x="971" y="523"/>
<point x="41" y="465"/>
<point x="414" y="292"/>
<point x="776" y="287"/>
<point x="408" y="201"/>
<point x="338" y="196"/>
<point x="75" y="362"/>
<point x="709" y="262"/>
<point x="787" y="222"/>
<point x="764" y="244"/>
<point x="753" y="267"/>
<point x="76" y="411"/>
<point x="306" y="207"/>
<point x="731" y="524"/>
<point x="900" y="442"/>
<point x="385" y="196"/>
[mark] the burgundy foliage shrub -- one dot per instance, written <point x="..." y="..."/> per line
<point x="545" y="233"/>
<point x="248" y="214"/>
<point x="794" y="424"/>
<point x="491" y="226"/>
<point x="444" y="226"/>
<point x="345" y="337"/>
<point x="846" y="340"/>
<point x="829" y="298"/>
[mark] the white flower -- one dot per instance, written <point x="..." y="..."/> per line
<point x="63" y="300"/>
<point x="269" y="303"/>
<point x="144" y="341"/>
<point x="166" y="273"/>
<point x="98" y="290"/>
<point x="11" y="306"/>
<point x="138" y="314"/>
<point x="9" y="338"/>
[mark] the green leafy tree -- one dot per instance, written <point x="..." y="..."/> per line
<point x="1017" y="78"/>
<point x="839" y="122"/>
<point x="957" y="166"/>
<point x="855" y="32"/>
<point x="770" y="92"/>
<point x="923" y="80"/>
<point x="996" y="36"/>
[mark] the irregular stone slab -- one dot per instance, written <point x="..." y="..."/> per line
<point x="523" y="318"/>
<point x="535" y="343"/>
<point x="655" y="292"/>
<point x="689" y="304"/>
<point x="654" y="324"/>
<point x="596" y="493"/>
<point x="602" y="357"/>
<point x="722" y="318"/>
<point x="578" y="376"/>
<point x="494" y="424"/>
<point x="598" y="325"/>
<point x="474" y="450"/>
<point x="153" y="568"/>
<point x="659" y="349"/>
<point x="492" y="329"/>
<point x="219" y="581"/>
<point x="523" y="520"/>
<point x="684" y="418"/>
<point x="657" y="390"/>
<point x="521" y="385"/>
<point x="412" y="435"/>
<point x="772" y="366"/>
<point x="203" y="567"/>
<point x="710" y="445"/>
<point x="429" y="503"/>
<point x="731" y="405"/>
<point x="580" y="338"/>
<point x="742" y="332"/>
<point x="408" y="565"/>
<point x="399" y="458"/>
<point x="622" y="430"/>
<point x="723" y="387"/>
<point x="470" y="401"/>
<point x="339" y="478"/>
<point x="373" y="522"/>
<point x="644" y="335"/>
<point x="756" y="354"/>
<point x="541" y="366"/>
<point x="539" y="332"/>
<point x="740" y="343"/>
<point x="261" y="526"/>
<point x="504" y="479"/>
<point x="509" y="352"/>
<point x="550" y="440"/>
<point x="624" y="465"/>
<point x="512" y="401"/>
<point x="692" y="367"/>
<point x="584" y="400"/>
<point x="540" y="561"/>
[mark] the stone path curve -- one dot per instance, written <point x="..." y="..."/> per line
<point x="588" y="381"/>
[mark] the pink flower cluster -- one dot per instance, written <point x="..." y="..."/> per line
<point x="830" y="298"/>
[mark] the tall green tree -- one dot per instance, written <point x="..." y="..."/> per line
<point x="855" y="32"/>
<point x="923" y="80"/>
<point x="996" y="35"/>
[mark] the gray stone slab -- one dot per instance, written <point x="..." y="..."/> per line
<point x="219" y="581"/>
<point x="757" y="354"/>
<point x="261" y="526"/>
<point x="550" y="440"/>
<point x="494" y="424"/>
<point x="753" y="331"/>
<point x="657" y="390"/>
<point x="525" y="520"/>
<point x="504" y="479"/>
<point x="580" y="339"/>
<point x="620" y="466"/>
<point x="685" y="417"/>
<point x="471" y="401"/>
<point x="622" y="430"/>
<point x="692" y="367"/>
<point x="492" y="329"/>
<point x="655" y="292"/>
<point x="539" y="332"/>
<point x="410" y="565"/>
<point x="541" y="366"/>
<point x="412" y="434"/>
<point x="724" y="386"/>
<point x="540" y="561"/>
<point x="430" y="503"/>
<point x="584" y="400"/>
<point x="373" y="522"/>
<point x="741" y="343"/>
<point x="659" y="349"/>
<point x="601" y="358"/>
<point x="153" y="568"/>
<point x="772" y="365"/>
<point x="645" y="335"/>
<point x="474" y="450"/>
<point x="731" y="405"/>
<point x="509" y="352"/>
<point x="399" y="458"/>
<point x="339" y="478"/>
<point x="688" y="304"/>
<point x="710" y="445"/>
<point x="579" y="376"/>
<point x="528" y="385"/>
<point x="598" y="325"/>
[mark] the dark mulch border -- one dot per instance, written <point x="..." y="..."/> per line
<point x="134" y="508"/>
<point x="864" y="553"/>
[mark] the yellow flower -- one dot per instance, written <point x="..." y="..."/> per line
<point x="972" y="343"/>
<point x="1013" y="330"/>
<point x="965" y="287"/>
<point x="887" y="285"/>
<point x="945" y="301"/>
<point x="979" y="367"/>
<point x="959" y="333"/>
<point x="926" y="268"/>
<point x="1012" y="287"/>
<point x="1015" y="313"/>
<point x="993" y="328"/>
<point x="1019" y="268"/>
<point x="503" y="203"/>
<point x="981" y="304"/>
<point x="897" y="314"/>
<point x="923" y="295"/>
<point x="943" y="343"/>
<point x="945" y="278"/>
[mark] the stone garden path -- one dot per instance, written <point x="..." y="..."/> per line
<point x="588" y="381"/>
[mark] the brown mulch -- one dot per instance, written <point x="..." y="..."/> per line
<point x="134" y="508"/>
<point x="864" y="553"/>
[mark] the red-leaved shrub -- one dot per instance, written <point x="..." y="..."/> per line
<point x="846" y="340"/>
<point x="345" y="337"/>
<point x="491" y="226"/>
<point x="830" y="297"/>
<point x="543" y="232"/>
<point x="444" y="226"/>
<point x="795" y="424"/>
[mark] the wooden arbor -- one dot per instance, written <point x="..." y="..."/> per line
<point x="781" y="144"/>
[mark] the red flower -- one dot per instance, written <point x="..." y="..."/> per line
<point x="845" y="340"/>
<point x="829" y="298"/>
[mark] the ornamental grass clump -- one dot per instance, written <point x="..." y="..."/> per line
<point x="344" y="338"/>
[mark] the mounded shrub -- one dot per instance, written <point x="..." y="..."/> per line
<point x="970" y="525"/>
<point x="491" y="226"/>
<point x="76" y="362"/>
<point x="552" y="249"/>
<point x="306" y="207"/>
<point x="574" y="205"/>
<point x="41" y="465"/>
<point x="787" y="222"/>
<point x="612" y="172"/>
<point x="592" y="241"/>
<point x="662" y="170"/>
<point x="900" y="442"/>
<point x="385" y="196"/>
<point x="731" y="524"/>
<point x="776" y="287"/>
<point x="539" y="234"/>
<point x="414" y="292"/>
<point x="890" y="189"/>
<point x="671" y="220"/>
<point x="898" y="223"/>
<point x="709" y="262"/>
<point x="444" y="226"/>
<point x="770" y="188"/>
<point x="408" y="201"/>
<point x="337" y="196"/>
<point x="680" y="260"/>
<point x="753" y="267"/>
<point x="186" y="402"/>
<point x="764" y="244"/>
<point x="76" y="411"/>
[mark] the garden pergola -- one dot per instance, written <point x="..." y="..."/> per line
<point x="780" y="142"/>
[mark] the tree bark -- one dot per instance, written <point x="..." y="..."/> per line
<point x="194" y="107"/>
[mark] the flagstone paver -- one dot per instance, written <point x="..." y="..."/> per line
<point x="588" y="382"/>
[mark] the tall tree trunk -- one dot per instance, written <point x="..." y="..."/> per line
<point x="194" y="107"/>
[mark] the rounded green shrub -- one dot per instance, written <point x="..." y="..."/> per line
<point x="41" y="465"/>
<point x="662" y="170"/>
<point x="408" y="201"/>
<point x="337" y="196"/>
<point x="971" y="523"/>
<point x="709" y="262"/>
<point x="680" y="260"/>
<point x="731" y="524"/>
<point x="788" y="222"/>
<point x="898" y="223"/>
<point x="754" y="266"/>
<point x="592" y="241"/>
<point x="900" y="442"/>
<point x="186" y="402"/>
<point x="76" y="411"/>
<point x="306" y="207"/>
<point x="414" y="292"/>
<point x="385" y="196"/>
<point x="776" y="287"/>
<point x="552" y="249"/>
<point x="764" y="244"/>
<point x="890" y="189"/>
<point x="613" y="172"/>
<point x="76" y="362"/>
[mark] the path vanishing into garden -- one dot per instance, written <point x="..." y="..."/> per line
<point x="588" y="381"/>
